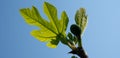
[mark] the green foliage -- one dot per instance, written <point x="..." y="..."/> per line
<point x="51" y="31"/>
<point x="81" y="19"/>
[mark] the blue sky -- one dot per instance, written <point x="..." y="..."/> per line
<point x="101" y="38"/>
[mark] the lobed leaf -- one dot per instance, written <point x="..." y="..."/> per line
<point x="49" y="31"/>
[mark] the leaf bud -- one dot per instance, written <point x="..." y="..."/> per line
<point x="75" y="29"/>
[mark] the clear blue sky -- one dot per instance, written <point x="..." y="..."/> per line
<point x="101" y="38"/>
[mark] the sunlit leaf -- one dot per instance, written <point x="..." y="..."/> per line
<point x="50" y="31"/>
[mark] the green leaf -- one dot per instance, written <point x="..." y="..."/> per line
<point x="49" y="30"/>
<point x="81" y="19"/>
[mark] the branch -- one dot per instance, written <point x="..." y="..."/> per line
<point x="80" y="52"/>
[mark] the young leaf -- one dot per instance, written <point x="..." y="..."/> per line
<point x="81" y="19"/>
<point x="49" y="31"/>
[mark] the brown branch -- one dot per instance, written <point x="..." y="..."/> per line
<point x="80" y="52"/>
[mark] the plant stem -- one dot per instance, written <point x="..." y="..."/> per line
<point x="80" y="52"/>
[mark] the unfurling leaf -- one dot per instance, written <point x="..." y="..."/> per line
<point x="81" y="19"/>
<point x="75" y="29"/>
<point x="51" y="31"/>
